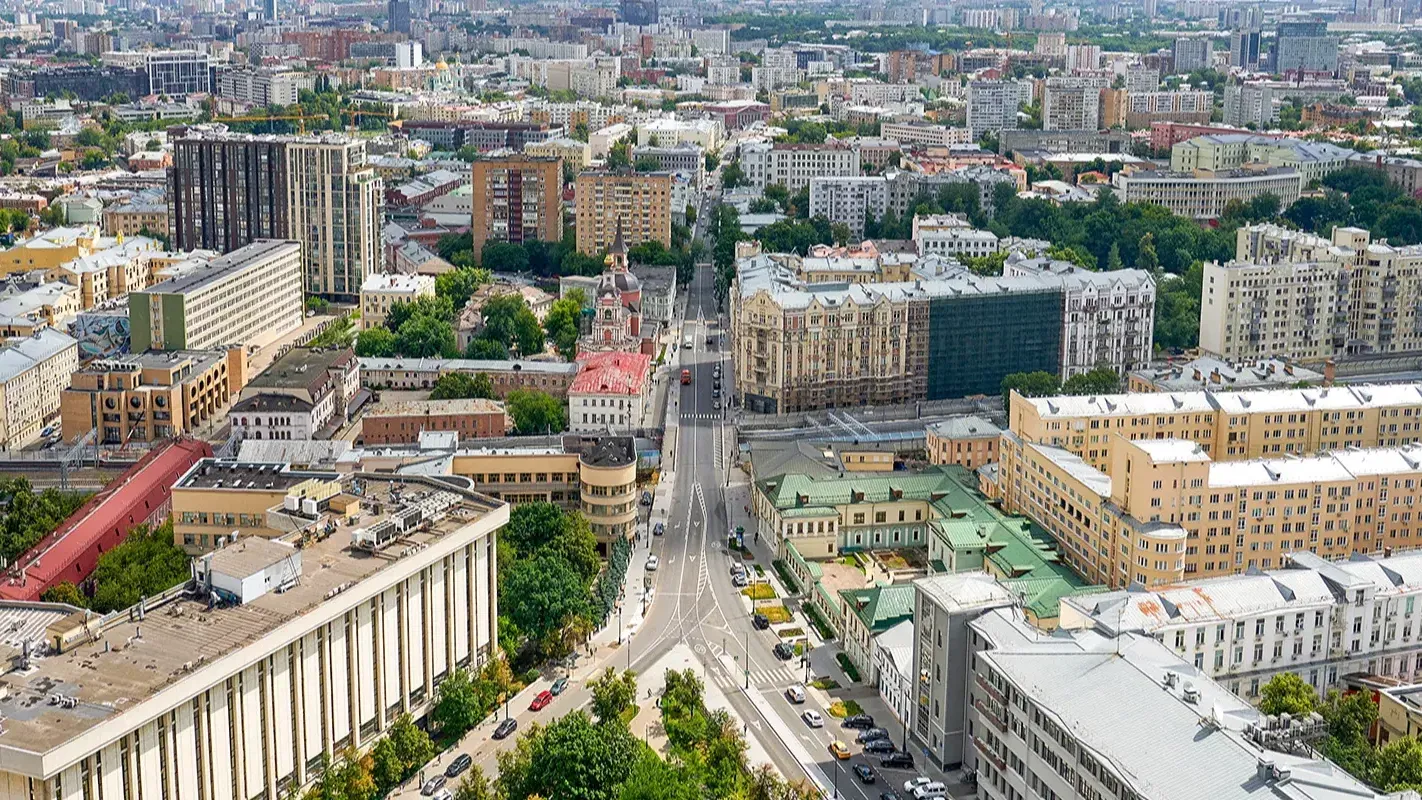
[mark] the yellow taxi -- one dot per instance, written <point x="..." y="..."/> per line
<point x="839" y="749"/>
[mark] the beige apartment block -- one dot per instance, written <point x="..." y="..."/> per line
<point x="33" y="373"/>
<point x="381" y="291"/>
<point x="637" y="205"/>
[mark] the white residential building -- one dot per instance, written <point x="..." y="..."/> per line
<point x="950" y="234"/>
<point x="34" y="371"/>
<point x="916" y="133"/>
<point x="893" y="669"/>
<point x="381" y="291"/>
<point x="704" y="133"/>
<point x="1072" y="103"/>
<point x="848" y="200"/>
<point x="1203" y="195"/>
<point x="311" y="651"/>
<point x="993" y="105"/>
<point x="794" y="165"/>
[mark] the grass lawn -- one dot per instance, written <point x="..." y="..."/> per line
<point x="776" y="614"/>
<point x="791" y="633"/>
<point x="759" y="591"/>
<point x="801" y="648"/>
<point x="825" y="683"/>
<point x="844" y="708"/>
<point x="628" y="714"/>
<point x="759" y="571"/>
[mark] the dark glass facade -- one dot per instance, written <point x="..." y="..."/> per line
<point x="974" y="341"/>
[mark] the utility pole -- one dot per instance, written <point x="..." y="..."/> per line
<point x="747" y="660"/>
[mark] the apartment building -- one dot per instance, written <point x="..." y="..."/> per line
<point x="969" y="442"/>
<point x="228" y="190"/>
<point x="1203" y="195"/>
<point x="993" y="105"/>
<point x="133" y="218"/>
<point x="113" y="268"/>
<point x="1297" y="295"/>
<point x="483" y="136"/>
<point x="380" y="292"/>
<point x="795" y="165"/>
<point x="1226" y="151"/>
<point x="314" y="649"/>
<point x="264" y="87"/>
<point x="250" y="296"/>
<point x="687" y="158"/>
<point x="636" y="206"/>
<point x="951" y="234"/>
<point x="552" y="377"/>
<point x="1072" y="103"/>
<point x="922" y="135"/>
<point x="403" y="422"/>
<point x="150" y="396"/>
<point x="577" y="155"/>
<point x="848" y="200"/>
<point x="611" y="393"/>
<point x="33" y="373"/>
<point x="1145" y="107"/>
<point x="933" y="330"/>
<point x="1317" y="618"/>
<point x="517" y="199"/>
<point x="1257" y="102"/>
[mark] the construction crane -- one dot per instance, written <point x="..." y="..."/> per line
<point x="300" y="118"/>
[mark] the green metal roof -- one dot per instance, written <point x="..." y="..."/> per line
<point x="880" y="607"/>
<point x="786" y="491"/>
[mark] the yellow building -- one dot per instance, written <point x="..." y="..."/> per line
<point x="132" y="219"/>
<point x="217" y="499"/>
<point x="575" y="154"/>
<point x="636" y="204"/>
<point x="50" y="249"/>
<point x="379" y="292"/>
<point x="153" y="395"/>
<point x="111" y="272"/>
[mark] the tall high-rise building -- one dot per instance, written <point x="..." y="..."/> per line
<point x="1072" y="103"/>
<point x="638" y="12"/>
<point x="992" y="105"/>
<point x="1192" y="53"/>
<point x="227" y="190"/>
<point x="637" y="205"/>
<point x="269" y="10"/>
<point x="1244" y="48"/>
<point x="517" y="199"/>
<point x="1305" y="46"/>
<point x="398" y="12"/>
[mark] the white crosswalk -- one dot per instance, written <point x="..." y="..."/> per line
<point x="714" y="415"/>
<point x="773" y="677"/>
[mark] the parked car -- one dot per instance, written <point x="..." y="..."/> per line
<point x="443" y="794"/>
<point x="659" y="529"/>
<point x="739" y="580"/>
<point x="784" y="652"/>
<point x="813" y="719"/>
<point x="505" y="728"/>
<point x="458" y="765"/>
<point x="646" y="498"/>
<point x="652" y="563"/>
<point x="866" y="775"/>
<point x="558" y="686"/>
<point x="889" y="796"/>
<point x="433" y="785"/>
<point x="760" y="621"/>
<point x="795" y="694"/>
<point x="859" y="721"/>
<point x="930" y="790"/>
<point x="737" y="568"/>
<point x="870" y="734"/>
<point x="541" y="701"/>
<point x="839" y="749"/>
<point x="879" y="746"/>
<point x="914" y="783"/>
<point x="716" y="404"/>
<point x="897" y="760"/>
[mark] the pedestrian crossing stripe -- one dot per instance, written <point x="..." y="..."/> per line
<point x="716" y="415"/>
<point x="763" y="678"/>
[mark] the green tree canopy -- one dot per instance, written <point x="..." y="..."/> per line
<point x="570" y="759"/>
<point x="535" y="412"/>
<point x="146" y="563"/>
<point x="1102" y="380"/>
<point x="426" y="337"/>
<point x="545" y="592"/>
<point x="1287" y="693"/>
<point x="463" y="386"/>
<point x="375" y="342"/>
<point x="560" y="326"/>
<point x="1029" y="384"/>
<point x="612" y="694"/>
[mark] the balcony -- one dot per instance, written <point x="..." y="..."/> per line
<point x="992" y="691"/>
<point x="992" y="716"/>
<point x="990" y="755"/>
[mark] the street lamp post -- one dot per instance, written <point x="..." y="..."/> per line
<point x="747" y="660"/>
<point x="837" y="769"/>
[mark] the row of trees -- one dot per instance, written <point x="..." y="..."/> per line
<point x="547" y="564"/>
<point x="1102" y="380"/>
<point x="533" y="412"/>
<point x="29" y="515"/>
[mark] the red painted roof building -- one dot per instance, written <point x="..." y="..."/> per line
<point x="610" y="393"/>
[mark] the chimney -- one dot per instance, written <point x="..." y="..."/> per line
<point x="1215" y="375"/>
<point x="1330" y="369"/>
<point x="1198" y="374"/>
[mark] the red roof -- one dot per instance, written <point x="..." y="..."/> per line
<point x="71" y="551"/>
<point x="611" y="373"/>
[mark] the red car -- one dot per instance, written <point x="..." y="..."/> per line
<point x="541" y="701"/>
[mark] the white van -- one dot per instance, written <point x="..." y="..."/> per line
<point x="795" y="694"/>
<point x="930" y="790"/>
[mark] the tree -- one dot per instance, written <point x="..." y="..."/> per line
<point x="732" y="176"/>
<point x="458" y="706"/>
<point x="65" y="592"/>
<point x="1102" y="380"/>
<point x="561" y="325"/>
<point x="1287" y="693"/>
<point x="535" y="412"/>
<point x="647" y="163"/>
<point x="412" y="744"/>
<point x="29" y="515"/>
<point x="841" y="233"/>
<point x="458" y="285"/>
<point x="426" y="337"/>
<point x="619" y="156"/>
<point x="541" y="593"/>
<point x="487" y="350"/>
<point x="1029" y="384"/>
<point x="1146" y="258"/>
<point x="1397" y="766"/>
<point x="533" y="526"/>
<point x="570" y="759"/>
<point x="475" y="786"/>
<point x="146" y="563"/>
<point x="503" y="257"/>
<point x="401" y="311"/>
<point x="1113" y="258"/>
<point x="375" y="343"/>
<point x="655" y="779"/>
<point x="386" y="767"/>
<point x="463" y="386"/>
<point x="613" y="694"/>
<point x="508" y="321"/>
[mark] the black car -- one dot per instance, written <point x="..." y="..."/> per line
<point x="784" y="652"/>
<point x="870" y="734"/>
<point x="760" y="621"/>
<point x="457" y="766"/>
<point x="865" y="774"/>
<point x="880" y="746"/>
<point x="897" y="761"/>
<point x="505" y="728"/>
<point x="889" y="796"/>
<point x="859" y="721"/>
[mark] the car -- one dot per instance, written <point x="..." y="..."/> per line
<point x="433" y="785"/>
<point x="443" y="794"/>
<point x="646" y="498"/>
<point x="541" y="701"/>
<point x="897" y="760"/>
<point x="866" y="775"/>
<point x="652" y="563"/>
<point x="813" y="719"/>
<point x="914" y="783"/>
<point x="715" y="392"/>
<point x="659" y="529"/>
<point x="740" y="580"/>
<point x="505" y="728"/>
<point x="784" y="652"/>
<point x="889" y="796"/>
<point x="795" y="694"/>
<point x="738" y="568"/>
<point x="558" y="686"/>
<point x="879" y="746"/>
<point x="716" y="405"/>
<point x="930" y="790"/>
<point x="710" y="339"/>
<point x="458" y="765"/>
<point x="859" y="721"/>
<point x="870" y="734"/>
<point x="760" y="621"/>
<point x="839" y="749"/>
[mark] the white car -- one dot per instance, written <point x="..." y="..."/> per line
<point x="652" y="562"/>
<point x="914" y="783"/>
<point x="813" y="719"/>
